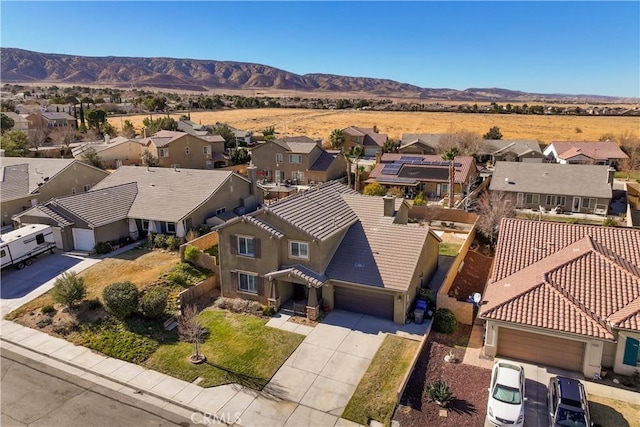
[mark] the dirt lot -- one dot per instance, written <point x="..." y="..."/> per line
<point x="320" y="123"/>
<point x="467" y="384"/>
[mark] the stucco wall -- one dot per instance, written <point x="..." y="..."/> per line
<point x="228" y="196"/>
<point x="196" y="159"/>
<point x="618" y="366"/>
<point x="264" y="158"/>
<point x="112" y="231"/>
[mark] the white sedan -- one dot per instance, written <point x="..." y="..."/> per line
<point x="506" y="395"/>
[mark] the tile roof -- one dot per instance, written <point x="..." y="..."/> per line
<point x="552" y="178"/>
<point x="518" y="146"/>
<point x="301" y="272"/>
<point x="102" y="146"/>
<point x="428" y="139"/>
<point x="163" y="137"/>
<point x="577" y="279"/>
<point x="18" y="171"/>
<point x="319" y="212"/>
<point x="323" y="162"/>
<point x="263" y="225"/>
<point x="165" y="194"/>
<point x="597" y="150"/>
<point x="99" y="207"/>
<point x="212" y="138"/>
<point x="439" y="173"/>
<point x="376" y="251"/>
<point x="56" y="116"/>
<point x="296" y="144"/>
<point x="43" y="211"/>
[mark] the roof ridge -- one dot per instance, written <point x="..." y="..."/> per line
<point x="625" y="312"/>
<point x="616" y="259"/>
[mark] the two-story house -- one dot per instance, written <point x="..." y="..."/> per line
<point x="114" y="152"/>
<point x="298" y="159"/>
<point x="27" y="182"/>
<point x="368" y="138"/>
<point x="328" y="248"/>
<point x="180" y="149"/>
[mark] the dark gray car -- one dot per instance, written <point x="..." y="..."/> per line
<point x="568" y="405"/>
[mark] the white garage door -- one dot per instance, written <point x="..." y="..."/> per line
<point x="83" y="239"/>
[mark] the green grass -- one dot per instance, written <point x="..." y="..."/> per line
<point x="449" y="249"/>
<point x="239" y="349"/>
<point x="550" y="218"/>
<point x="634" y="175"/>
<point x="376" y="395"/>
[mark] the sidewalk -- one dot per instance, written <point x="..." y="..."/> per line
<point x="228" y="404"/>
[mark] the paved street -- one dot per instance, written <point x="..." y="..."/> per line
<point x="35" y="394"/>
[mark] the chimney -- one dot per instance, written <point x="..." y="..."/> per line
<point x="252" y="174"/>
<point x="107" y="138"/>
<point x="611" y="175"/>
<point x="319" y="142"/>
<point x="389" y="205"/>
<point x="378" y="157"/>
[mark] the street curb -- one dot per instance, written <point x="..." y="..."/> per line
<point x="106" y="377"/>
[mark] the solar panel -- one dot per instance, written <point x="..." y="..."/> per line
<point x="391" y="169"/>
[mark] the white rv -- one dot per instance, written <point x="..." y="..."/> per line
<point x="18" y="247"/>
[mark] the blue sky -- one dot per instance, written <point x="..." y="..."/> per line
<point x="546" y="47"/>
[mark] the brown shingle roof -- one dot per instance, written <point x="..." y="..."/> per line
<point x="461" y="172"/>
<point x="370" y="136"/>
<point x="571" y="278"/>
<point x="597" y="150"/>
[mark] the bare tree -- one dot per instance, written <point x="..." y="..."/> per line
<point x="90" y="135"/>
<point x="492" y="207"/>
<point x="630" y="144"/>
<point x="191" y="330"/>
<point x="431" y="213"/>
<point x="37" y="136"/>
<point x="465" y="141"/>
<point x="64" y="137"/>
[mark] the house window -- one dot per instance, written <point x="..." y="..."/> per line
<point x="588" y="202"/>
<point x="279" y="158"/>
<point x="532" y="199"/>
<point x="299" y="250"/>
<point x="248" y="282"/>
<point x="171" y="228"/>
<point x="297" y="176"/>
<point x="245" y="246"/>
<point x="295" y="159"/>
<point x="186" y="150"/>
<point x="205" y="150"/>
<point x="221" y="211"/>
<point x="145" y="225"/>
<point x="163" y="152"/>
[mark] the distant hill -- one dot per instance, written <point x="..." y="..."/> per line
<point x="23" y="66"/>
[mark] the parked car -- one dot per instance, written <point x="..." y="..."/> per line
<point x="505" y="406"/>
<point x="567" y="403"/>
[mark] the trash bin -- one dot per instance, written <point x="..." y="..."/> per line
<point x="418" y="316"/>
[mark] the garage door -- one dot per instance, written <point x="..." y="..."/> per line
<point x="543" y="349"/>
<point x="83" y="240"/>
<point x="371" y="303"/>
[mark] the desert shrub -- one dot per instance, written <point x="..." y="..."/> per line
<point x="419" y="200"/>
<point x="47" y="309"/>
<point x="439" y="392"/>
<point x="173" y="242"/>
<point x="427" y="295"/>
<point x="154" y="302"/>
<point x="121" y="299"/>
<point x="44" y="321"/>
<point x="69" y="289"/>
<point x="94" y="304"/>
<point x="191" y="254"/>
<point x="192" y="235"/>
<point x="185" y="274"/>
<point x="268" y="311"/>
<point x="151" y="240"/>
<point x="102" y="248"/>
<point x="66" y="327"/>
<point x="222" y="303"/>
<point x="254" y="307"/>
<point x="239" y="305"/>
<point x="445" y="321"/>
<point x="609" y="222"/>
<point x="160" y="241"/>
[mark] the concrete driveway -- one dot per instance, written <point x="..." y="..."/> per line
<point x="324" y="371"/>
<point x="21" y="286"/>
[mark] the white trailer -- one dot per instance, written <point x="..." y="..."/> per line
<point x="18" y="247"/>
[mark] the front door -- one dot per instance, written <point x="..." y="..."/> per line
<point x="575" y="207"/>
<point x="298" y="292"/>
<point x="279" y="176"/>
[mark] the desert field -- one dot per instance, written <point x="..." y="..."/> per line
<point x="320" y="123"/>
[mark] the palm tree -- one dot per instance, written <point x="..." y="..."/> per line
<point x="336" y="139"/>
<point x="356" y="153"/>
<point x="347" y="157"/>
<point x="450" y="156"/>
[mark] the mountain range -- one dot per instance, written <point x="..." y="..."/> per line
<point x="23" y="66"/>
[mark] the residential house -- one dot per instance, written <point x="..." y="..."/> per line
<point x="571" y="188"/>
<point x="585" y="152"/>
<point x="571" y="292"/>
<point x="509" y="150"/>
<point x="368" y="138"/>
<point x="133" y="201"/>
<point x="218" y="154"/>
<point x="420" y="143"/>
<point x="56" y="120"/>
<point x="114" y="152"/>
<point x="193" y="128"/>
<point x="27" y="182"/>
<point x="298" y="159"/>
<point x="20" y="121"/>
<point x="328" y="247"/>
<point x="428" y="174"/>
<point x="180" y="149"/>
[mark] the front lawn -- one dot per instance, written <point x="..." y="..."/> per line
<point x="376" y="395"/>
<point x="609" y="412"/>
<point x="449" y="249"/>
<point x="140" y="266"/>
<point x="239" y="349"/>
